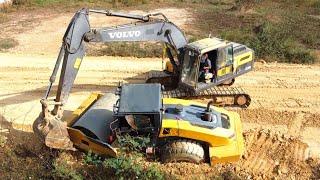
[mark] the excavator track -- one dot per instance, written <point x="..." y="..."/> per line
<point x="222" y="95"/>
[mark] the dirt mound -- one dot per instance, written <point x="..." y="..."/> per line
<point x="268" y="155"/>
<point x="266" y="116"/>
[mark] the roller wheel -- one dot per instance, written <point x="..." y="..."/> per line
<point x="242" y="100"/>
<point x="182" y="151"/>
<point x="228" y="83"/>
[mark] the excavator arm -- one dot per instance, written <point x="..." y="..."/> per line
<point x="147" y="28"/>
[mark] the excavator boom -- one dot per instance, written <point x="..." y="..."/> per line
<point x="147" y="28"/>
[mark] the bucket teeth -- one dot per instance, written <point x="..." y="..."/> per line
<point x="53" y="132"/>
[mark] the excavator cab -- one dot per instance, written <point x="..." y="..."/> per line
<point x="228" y="60"/>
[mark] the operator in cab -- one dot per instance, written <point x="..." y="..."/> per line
<point x="205" y="66"/>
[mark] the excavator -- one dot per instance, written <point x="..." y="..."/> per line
<point x="219" y="136"/>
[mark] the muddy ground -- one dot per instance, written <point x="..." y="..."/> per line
<point x="281" y="126"/>
<point x="285" y="104"/>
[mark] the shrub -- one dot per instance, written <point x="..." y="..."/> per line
<point x="272" y="41"/>
<point x="316" y="5"/>
<point x="7" y="43"/>
<point x="275" y="41"/>
<point x="20" y="2"/>
<point x="135" y="49"/>
<point x="128" y="167"/>
<point x="3" y="141"/>
<point x="63" y="171"/>
<point x="130" y="2"/>
<point x="91" y="158"/>
<point x="130" y="143"/>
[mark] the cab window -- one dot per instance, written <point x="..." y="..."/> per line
<point x="229" y="54"/>
<point x="189" y="68"/>
<point x="225" y="57"/>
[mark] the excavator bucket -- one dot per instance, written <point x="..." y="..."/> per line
<point x="89" y="127"/>
<point x="53" y="132"/>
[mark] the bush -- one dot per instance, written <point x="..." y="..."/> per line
<point x="64" y="171"/>
<point x="272" y="42"/>
<point x="128" y="167"/>
<point x="91" y="158"/>
<point x="299" y="55"/>
<point x="135" y="49"/>
<point x="316" y="5"/>
<point x="275" y="41"/>
<point x="3" y="141"/>
<point x="20" y="2"/>
<point x="136" y="143"/>
<point x="130" y="2"/>
<point x="7" y="43"/>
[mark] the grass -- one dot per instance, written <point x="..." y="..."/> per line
<point x="62" y="170"/>
<point x="125" y="49"/>
<point x="7" y="43"/>
<point x="130" y="163"/>
<point x="276" y="30"/>
<point x="285" y="31"/>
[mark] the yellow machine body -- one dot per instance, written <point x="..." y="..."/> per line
<point x="169" y="67"/>
<point x="224" y="145"/>
<point x="240" y="59"/>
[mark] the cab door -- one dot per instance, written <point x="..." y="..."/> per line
<point x="224" y="66"/>
<point x="190" y="70"/>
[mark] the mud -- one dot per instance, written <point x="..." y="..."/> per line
<point x="288" y="146"/>
<point x="268" y="155"/>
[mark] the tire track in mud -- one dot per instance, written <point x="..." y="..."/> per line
<point x="268" y="153"/>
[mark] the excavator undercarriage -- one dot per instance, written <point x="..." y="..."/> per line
<point x="222" y="95"/>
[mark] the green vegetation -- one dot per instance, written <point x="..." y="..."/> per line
<point x="284" y="31"/>
<point x="75" y="3"/>
<point x="136" y="144"/>
<point x="130" y="167"/>
<point x="3" y="141"/>
<point x="135" y="49"/>
<point x="22" y="156"/>
<point x="130" y="163"/>
<point x="7" y="43"/>
<point x="63" y="170"/>
<point x="92" y="158"/>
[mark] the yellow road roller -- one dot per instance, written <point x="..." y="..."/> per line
<point x="180" y="130"/>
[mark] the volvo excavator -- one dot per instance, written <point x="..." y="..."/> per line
<point x="180" y="79"/>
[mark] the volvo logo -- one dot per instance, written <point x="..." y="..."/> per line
<point x="124" y="34"/>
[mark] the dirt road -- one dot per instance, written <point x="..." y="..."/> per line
<point x="286" y="100"/>
<point x="281" y="88"/>
<point x="38" y="33"/>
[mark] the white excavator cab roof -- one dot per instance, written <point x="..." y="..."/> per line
<point x="208" y="44"/>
